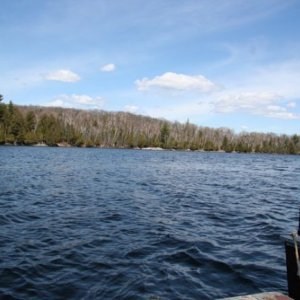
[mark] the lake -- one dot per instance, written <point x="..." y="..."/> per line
<point x="129" y="224"/>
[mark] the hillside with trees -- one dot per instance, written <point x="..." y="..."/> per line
<point x="30" y="125"/>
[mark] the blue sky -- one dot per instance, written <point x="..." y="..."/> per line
<point x="216" y="63"/>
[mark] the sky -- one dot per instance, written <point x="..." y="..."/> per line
<point x="215" y="63"/>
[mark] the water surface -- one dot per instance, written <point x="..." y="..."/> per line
<point x="126" y="224"/>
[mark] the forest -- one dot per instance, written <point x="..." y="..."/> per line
<point x="54" y="126"/>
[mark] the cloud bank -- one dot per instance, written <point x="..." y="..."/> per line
<point x="263" y="103"/>
<point x="77" y="101"/>
<point x="249" y="101"/>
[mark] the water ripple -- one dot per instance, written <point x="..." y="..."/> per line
<point x="118" y="224"/>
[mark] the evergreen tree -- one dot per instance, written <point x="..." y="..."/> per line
<point x="17" y="128"/>
<point x="164" y="134"/>
<point x="49" y="130"/>
<point x="30" y="121"/>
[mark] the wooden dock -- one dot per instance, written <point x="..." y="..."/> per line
<point x="262" y="296"/>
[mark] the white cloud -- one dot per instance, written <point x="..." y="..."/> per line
<point x="174" y="81"/>
<point x="77" y="101"/>
<point x="279" y="112"/>
<point x="108" y="68"/>
<point x="249" y="101"/>
<point x="131" y="108"/>
<point x="270" y="90"/>
<point x="258" y="103"/>
<point x="63" y="75"/>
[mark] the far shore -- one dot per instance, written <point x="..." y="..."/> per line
<point x="66" y="145"/>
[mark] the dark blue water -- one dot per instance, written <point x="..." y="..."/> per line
<point x="125" y="224"/>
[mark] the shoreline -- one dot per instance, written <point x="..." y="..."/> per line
<point x="155" y="149"/>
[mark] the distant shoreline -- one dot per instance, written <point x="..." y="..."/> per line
<point x="155" y="149"/>
<point x="40" y="127"/>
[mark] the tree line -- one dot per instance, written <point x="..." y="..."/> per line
<point x="30" y="125"/>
